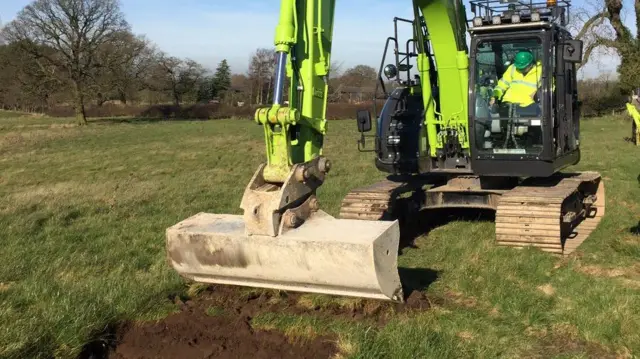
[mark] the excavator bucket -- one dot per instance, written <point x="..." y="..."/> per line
<point x="302" y="249"/>
<point x="325" y="255"/>
<point x="283" y="240"/>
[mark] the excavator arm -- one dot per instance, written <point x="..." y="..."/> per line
<point x="294" y="133"/>
<point x="444" y="27"/>
<point x="283" y="240"/>
<point x="303" y="40"/>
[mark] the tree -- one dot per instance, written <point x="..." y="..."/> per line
<point x="357" y="82"/>
<point x="206" y="89"/>
<point x="335" y="85"/>
<point x="222" y="79"/>
<point x="121" y="67"/>
<point x="177" y="77"/>
<point x="261" y="71"/>
<point x="359" y="76"/>
<point x="604" y="29"/>
<point x="75" y="29"/>
<point x="241" y="85"/>
<point x="25" y="84"/>
<point x="2" y="39"/>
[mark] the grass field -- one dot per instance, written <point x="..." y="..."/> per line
<point x="84" y="210"/>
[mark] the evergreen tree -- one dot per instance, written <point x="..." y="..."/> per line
<point x="222" y="79"/>
<point x="205" y="89"/>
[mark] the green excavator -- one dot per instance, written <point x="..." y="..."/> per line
<point x="445" y="137"/>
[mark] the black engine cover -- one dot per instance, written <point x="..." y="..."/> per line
<point x="398" y="133"/>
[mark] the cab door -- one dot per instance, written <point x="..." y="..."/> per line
<point x="566" y="107"/>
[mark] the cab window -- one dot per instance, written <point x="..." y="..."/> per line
<point x="508" y="112"/>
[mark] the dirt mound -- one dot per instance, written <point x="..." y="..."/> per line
<point x="193" y="333"/>
<point x="217" y="324"/>
<point x="417" y="301"/>
<point x="242" y="303"/>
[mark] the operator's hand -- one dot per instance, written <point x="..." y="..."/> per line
<point x="496" y="94"/>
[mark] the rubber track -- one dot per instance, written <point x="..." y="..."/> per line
<point x="532" y="215"/>
<point x="374" y="202"/>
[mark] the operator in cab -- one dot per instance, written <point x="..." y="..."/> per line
<point x="520" y="83"/>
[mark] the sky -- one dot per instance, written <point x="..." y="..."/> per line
<point x="211" y="30"/>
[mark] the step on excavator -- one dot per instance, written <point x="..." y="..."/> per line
<point x="454" y="132"/>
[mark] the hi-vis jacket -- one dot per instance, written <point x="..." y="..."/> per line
<point x="521" y="88"/>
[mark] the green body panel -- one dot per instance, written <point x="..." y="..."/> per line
<point x="446" y="24"/>
<point x="429" y="136"/>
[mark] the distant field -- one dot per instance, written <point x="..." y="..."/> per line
<point x="7" y="115"/>
<point x="84" y="210"/>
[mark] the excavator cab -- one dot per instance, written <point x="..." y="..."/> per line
<point x="543" y="137"/>
<point x="530" y="130"/>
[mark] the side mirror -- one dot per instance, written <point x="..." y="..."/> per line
<point x="572" y="51"/>
<point x="364" y="121"/>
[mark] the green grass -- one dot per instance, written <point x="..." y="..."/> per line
<point x="84" y="210"/>
<point x="11" y="114"/>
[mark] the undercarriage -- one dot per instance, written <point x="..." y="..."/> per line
<point x="554" y="214"/>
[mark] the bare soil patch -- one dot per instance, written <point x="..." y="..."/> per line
<point x="217" y="324"/>
<point x="194" y="334"/>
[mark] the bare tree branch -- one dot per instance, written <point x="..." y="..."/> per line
<point x="600" y="42"/>
<point x="591" y="23"/>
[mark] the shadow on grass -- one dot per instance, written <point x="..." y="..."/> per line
<point x="427" y="220"/>
<point x="635" y="230"/>
<point x="417" y="279"/>
<point x="101" y="344"/>
<point x="141" y="120"/>
<point x="421" y="224"/>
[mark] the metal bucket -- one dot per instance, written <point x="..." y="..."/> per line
<point x="325" y="255"/>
